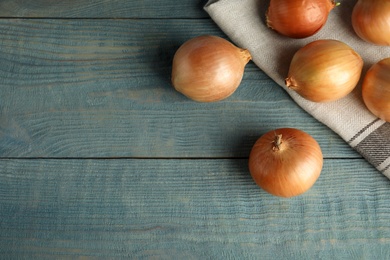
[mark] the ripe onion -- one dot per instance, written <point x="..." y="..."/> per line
<point x="324" y="70"/>
<point x="371" y="21"/>
<point x="208" y="68"/>
<point x="285" y="162"/>
<point x="376" y="89"/>
<point x="298" y="18"/>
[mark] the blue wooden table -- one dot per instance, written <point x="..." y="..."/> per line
<point x="100" y="158"/>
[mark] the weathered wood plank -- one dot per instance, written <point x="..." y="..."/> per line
<point x="192" y="209"/>
<point x="103" y="9"/>
<point x="101" y="88"/>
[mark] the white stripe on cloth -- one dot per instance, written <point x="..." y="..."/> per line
<point x="385" y="167"/>
<point x="243" y="21"/>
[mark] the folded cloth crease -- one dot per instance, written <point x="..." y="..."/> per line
<point x="243" y="21"/>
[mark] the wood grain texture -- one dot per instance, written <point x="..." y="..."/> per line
<point x="102" y="9"/>
<point x="192" y="209"/>
<point x="101" y="88"/>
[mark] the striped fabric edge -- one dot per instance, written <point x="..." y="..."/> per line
<point x="373" y="143"/>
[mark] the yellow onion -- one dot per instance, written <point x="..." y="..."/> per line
<point x="324" y="70"/>
<point x="208" y="68"/>
<point x="376" y="89"/>
<point x="298" y="18"/>
<point x="371" y="21"/>
<point x="285" y="162"/>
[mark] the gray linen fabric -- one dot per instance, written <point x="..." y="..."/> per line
<point x="243" y="21"/>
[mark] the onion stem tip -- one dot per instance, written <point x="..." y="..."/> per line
<point x="277" y="142"/>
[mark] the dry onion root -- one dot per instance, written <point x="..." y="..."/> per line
<point x="298" y="18"/>
<point x="376" y="89"/>
<point x="208" y="68"/>
<point x="324" y="70"/>
<point x="285" y="162"/>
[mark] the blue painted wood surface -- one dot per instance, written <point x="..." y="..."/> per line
<point x="100" y="158"/>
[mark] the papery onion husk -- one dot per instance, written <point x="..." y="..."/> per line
<point x="324" y="70"/>
<point x="298" y="18"/>
<point x="208" y="68"/>
<point x="376" y="89"/>
<point x="371" y="21"/>
<point x="285" y="162"/>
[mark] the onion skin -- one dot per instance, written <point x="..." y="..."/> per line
<point x="324" y="70"/>
<point x="376" y="89"/>
<point x="298" y="18"/>
<point x="289" y="169"/>
<point x="371" y="21"/>
<point x="208" y="68"/>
